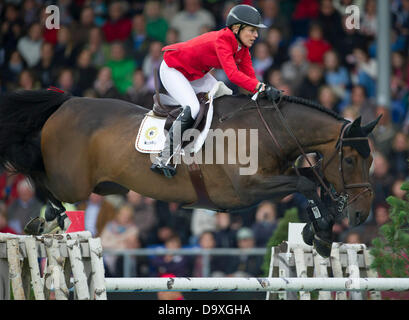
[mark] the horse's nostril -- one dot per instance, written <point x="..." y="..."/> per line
<point x="358" y="218"/>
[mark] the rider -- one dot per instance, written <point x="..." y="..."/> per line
<point x="185" y="70"/>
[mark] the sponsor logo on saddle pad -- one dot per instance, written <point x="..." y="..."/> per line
<point x="151" y="137"/>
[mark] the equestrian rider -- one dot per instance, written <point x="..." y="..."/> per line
<point x="185" y="70"/>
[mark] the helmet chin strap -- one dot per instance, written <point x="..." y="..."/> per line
<point x="242" y="26"/>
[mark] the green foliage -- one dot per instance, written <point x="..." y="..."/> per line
<point x="280" y="234"/>
<point x="391" y="249"/>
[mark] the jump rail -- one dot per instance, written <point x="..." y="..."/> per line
<point x="254" y="284"/>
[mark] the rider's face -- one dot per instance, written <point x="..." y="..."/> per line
<point x="248" y="35"/>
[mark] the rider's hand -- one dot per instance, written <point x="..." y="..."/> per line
<point x="273" y="94"/>
<point x="261" y="87"/>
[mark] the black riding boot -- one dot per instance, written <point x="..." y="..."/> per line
<point x="183" y="122"/>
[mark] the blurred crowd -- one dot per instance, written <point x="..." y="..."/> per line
<point x="110" y="49"/>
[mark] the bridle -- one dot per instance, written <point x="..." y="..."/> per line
<point x="341" y="199"/>
<point x="340" y="152"/>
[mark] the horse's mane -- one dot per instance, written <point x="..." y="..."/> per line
<point x="312" y="104"/>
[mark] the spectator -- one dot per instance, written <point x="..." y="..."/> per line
<point x="217" y="264"/>
<point x="11" y="69"/>
<point x="331" y="21"/>
<point x="66" y="51"/>
<point x="172" y="36"/>
<point x="143" y="214"/>
<point x="4" y="227"/>
<point x="120" y="233"/>
<point x="45" y="69"/>
<point x="98" y="48"/>
<point x="24" y="208"/>
<point x="179" y="265"/>
<point x="139" y="93"/>
<point x="122" y="68"/>
<point x="98" y="212"/>
<point x="353" y="237"/>
<point x="399" y="156"/>
<point x="384" y="132"/>
<point x="8" y="186"/>
<point x="27" y="80"/>
<point x="274" y="77"/>
<point x="364" y="71"/>
<point x="360" y="105"/>
<point x="368" y="26"/>
<point x="65" y="81"/>
<point x="169" y="9"/>
<point x="261" y="59"/>
<point x="304" y="12"/>
<point x="138" y="43"/>
<point x="246" y="265"/>
<point x="316" y="45"/>
<point x="85" y="25"/>
<point x="396" y="190"/>
<point x="189" y="21"/>
<point x="381" y="178"/>
<point x="309" y="87"/>
<point x="30" y="46"/>
<point x="225" y="235"/>
<point x="336" y="76"/>
<point x="277" y="46"/>
<point x="118" y="27"/>
<point x="271" y="17"/>
<point x="10" y="29"/>
<point x="85" y="72"/>
<point x="296" y="68"/>
<point x="156" y="25"/>
<point x="265" y="224"/>
<point x="327" y="98"/>
<point x="151" y="63"/>
<point x="371" y="230"/>
<point x="104" y="86"/>
<point x="202" y="220"/>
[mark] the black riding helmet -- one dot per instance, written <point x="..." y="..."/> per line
<point x="244" y="14"/>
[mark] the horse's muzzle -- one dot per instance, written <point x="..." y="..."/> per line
<point x="355" y="218"/>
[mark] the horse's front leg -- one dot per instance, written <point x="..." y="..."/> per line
<point x="54" y="217"/>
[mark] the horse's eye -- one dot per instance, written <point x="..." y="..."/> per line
<point x="349" y="161"/>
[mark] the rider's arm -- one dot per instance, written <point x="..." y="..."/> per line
<point x="224" y="49"/>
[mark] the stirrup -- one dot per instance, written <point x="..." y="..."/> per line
<point x="168" y="171"/>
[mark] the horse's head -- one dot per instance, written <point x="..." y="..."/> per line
<point x="347" y="170"/>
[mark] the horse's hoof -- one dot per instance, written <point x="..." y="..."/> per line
<point x="308" y="234"/>
<point x="322" y="247"/>
<point x="35" y="226"/>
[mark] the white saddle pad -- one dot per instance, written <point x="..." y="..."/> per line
<point x="151" y="137"/>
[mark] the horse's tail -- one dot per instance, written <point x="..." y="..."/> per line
<point x="22" y="116"/>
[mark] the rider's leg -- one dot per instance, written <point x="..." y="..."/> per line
<point x="181" y="90"/>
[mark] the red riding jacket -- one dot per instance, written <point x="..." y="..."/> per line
<point x="215" y="49"/>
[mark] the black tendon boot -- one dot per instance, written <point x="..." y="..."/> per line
<point x="162" y="163"/>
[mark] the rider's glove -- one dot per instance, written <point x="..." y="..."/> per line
<point x="272" y="93"/>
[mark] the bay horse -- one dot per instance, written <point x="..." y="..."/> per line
<point x="73" y="146"/>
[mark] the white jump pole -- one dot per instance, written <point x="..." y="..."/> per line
<point x="255" y="284"/>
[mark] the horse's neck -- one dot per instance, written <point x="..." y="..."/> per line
<point x="313" y="129"/>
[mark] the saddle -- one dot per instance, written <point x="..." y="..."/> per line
<point x="167" y="107"/>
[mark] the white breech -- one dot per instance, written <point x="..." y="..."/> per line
<point x="183" y="90"/>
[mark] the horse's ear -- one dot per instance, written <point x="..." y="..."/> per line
<point x="370" y="126"/>
<point x="354" y="127"/>
<point x="357" y="122"/>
